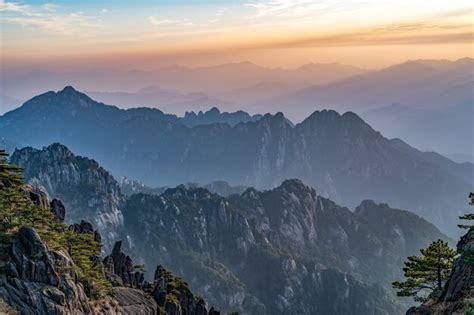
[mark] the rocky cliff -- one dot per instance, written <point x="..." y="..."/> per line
<point x="457" y="297"/>
<point x="88" y="191"/>
<point x="281" y="251"/>
<point x="35" y="279"/>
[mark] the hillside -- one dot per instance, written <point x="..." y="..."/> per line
<point x="49" y="267"/>
<point x="289" y="239"/>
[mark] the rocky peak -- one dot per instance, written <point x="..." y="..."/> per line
<point x="75" y="97"/>
<point x="58" y="209"/>
<point x="368" y="205"/>
<point x="87" y="190"/>
<point x="347" y="123"/>
<point x="296" y="186"/>
<point x="68" y="90"/>
<point x="175" y="296"/>
<point x="169" y="292"/>
<point x="120" y="269"/>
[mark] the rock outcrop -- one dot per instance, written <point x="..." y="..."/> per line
<point x="30" y="282"/>
<point x="457" y="297"/>
<point x="170" y="293"/>
<point x="87" y="190"/>
<point x="120" y="269"/>
<point x="40" y="281"/>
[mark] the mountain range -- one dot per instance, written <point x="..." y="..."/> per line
<point x="173" y="84"/>
<point x="284" y="250"/>
<point x="340" y="155"/>
<point x="423" y="96"/>
<point x="427" y="102"/>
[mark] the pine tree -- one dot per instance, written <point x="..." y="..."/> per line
<point x="469" y="216"/>
<point x="17" y="209"/>
<point x="10" y="175"/>
<point x="426" y="274"/>
<point x="467" y="255"/>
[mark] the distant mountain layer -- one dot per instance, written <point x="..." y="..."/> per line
<point x="428" y="103"/>
<point x="166" y="100"/>
<point x="179" y="80"/>
<point x="130" y="187"/>
<point x="281" y="251"/>
<point x="340" y="155"/>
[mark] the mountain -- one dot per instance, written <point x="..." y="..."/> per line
<point x="432" y="100"/>
<point x="281" y="251"/>
<point x="340" y="155"/>
<point x="48" y="267"/>
<point x="183" y="82"/>
<point x="85" y="187"/>
<point x="269" y="252"/>
<point x="155" y="97"/>
<point x="220" y="187"/>
<point x="215" y="116"/>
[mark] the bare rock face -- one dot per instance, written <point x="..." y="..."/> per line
<point x="87" y="190"/>
<point x="30" y="283"/>
<point x="282" y="251"/>
<point x="134" y="301"/>
<point x="174" y="295"/>
<point x="120" y="269"/>
<point x="58" y="209"/>
<point x="86" y="227"/>
<point x="168" y="292"/>
<point x="458" y="293"/>
<point x="37" y="195"/>
<point x="35" y="280"/>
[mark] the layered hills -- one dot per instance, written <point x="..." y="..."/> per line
<point x="342" y="156"/>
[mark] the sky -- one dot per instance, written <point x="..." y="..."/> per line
<point x="275" y="33"/>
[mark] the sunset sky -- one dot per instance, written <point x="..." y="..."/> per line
<point x="140" y="34"/>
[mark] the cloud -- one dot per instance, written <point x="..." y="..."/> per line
<point x="153" y="20"/>
<point x="416" y="33"/>
<point x="49" y="7"/>
<point x="464" y="12"/>
<point x="46" y="18"/>
<point x="291" y="8"/>
<point x="104" y="10"/>
<point x="12" y="7"/>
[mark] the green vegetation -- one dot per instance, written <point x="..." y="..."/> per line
<point x="17" y="209"/>
<point x="469" y="216"/>
<point x="175" y="287"/>
<point x="467" y="255"/>
<point x="426" y="274"/>
<point x="469" y="310"/>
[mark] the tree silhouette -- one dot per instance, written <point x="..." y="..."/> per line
<point x="426" y="274"/>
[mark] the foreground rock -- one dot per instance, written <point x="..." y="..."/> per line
<point x="30" y="282"/>
<point x="37" y="280"/>
<point x="169" y="292"/>
<point x="457" y="297"/>
<point x="79" y="182"/>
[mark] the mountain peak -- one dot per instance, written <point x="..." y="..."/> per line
<point x="69" y="89"/>
<point x="333" y="117"/>
<point x="323" y="115"/>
